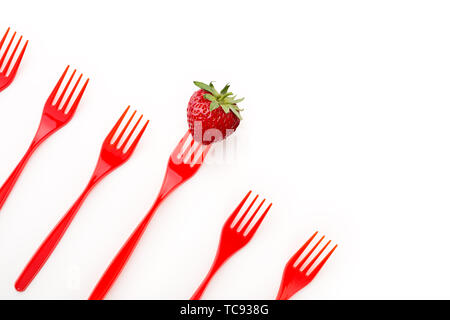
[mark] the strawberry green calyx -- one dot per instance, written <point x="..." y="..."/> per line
<point x="224" y="99"/>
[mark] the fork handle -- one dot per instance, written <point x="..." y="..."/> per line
<point x="7" y="187"/>
<point x="218" y="262"/>
<point x="171" y="181"/>
<point x="48" y="246"/>
<point x="43" y="132"/>
<point x="116" y="266"/>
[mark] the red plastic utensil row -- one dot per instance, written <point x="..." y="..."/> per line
<point x="184" y="162"/>
<point x="114" y="153"/>
<point x="6" y="78"/>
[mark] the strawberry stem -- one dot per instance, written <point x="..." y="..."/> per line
<point x="226" y="100"/>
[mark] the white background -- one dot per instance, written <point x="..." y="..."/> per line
<point x="346" y="131"/>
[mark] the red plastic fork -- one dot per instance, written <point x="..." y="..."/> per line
<point x="7" y="78"/>
<point x="181" y="167"/>
<point x="114" y="153"/>
<point x="234" y="237"/>
<point x="54" y="117"/>
<point x="297" y="276"/>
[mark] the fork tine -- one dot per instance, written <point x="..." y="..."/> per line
<point x="204" y="153"/>
<point x="116" y="126"/>
<point x="7" y="49"/>
<point x="246" y="212"/>
<point x="194" y="153"/>
<point x="317" y="256"/>
<point x="136" y="140"/>
<point x="56" y="88"/>
<point x="237" y="210"/>
<point x="320" y="265"/>
<point x="300" y="251"/>
<point x="66" y="104"/>
<point x="189" y="148"/>
<point x="131" y="132"/>
<point x="4" y="38"/>
<point x="119" y="137"/>
<point x="11" y="57"/>
<point x="63" y="93"/>
<point x="253" y="230"/>
<point x="19" y="59"/>
<point x="180" y="145"/>
<point x="77" y="100"/>
<point x="310" y="252"/>
<point x="249" y="221"/>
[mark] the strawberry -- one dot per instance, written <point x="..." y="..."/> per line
<point x="209" y="116"/>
